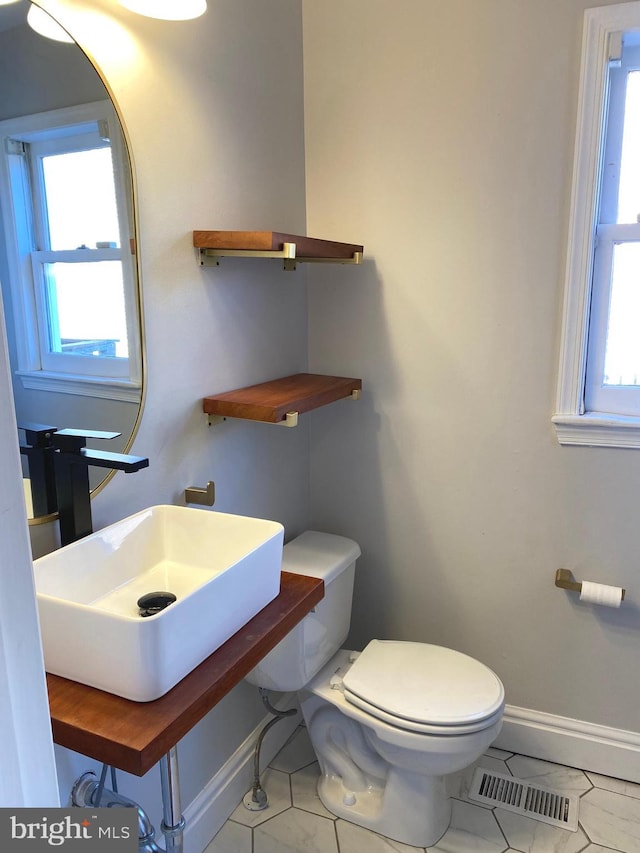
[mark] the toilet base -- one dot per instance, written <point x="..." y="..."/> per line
<point x="411" y="809"/>
<point x="378" y="776"/>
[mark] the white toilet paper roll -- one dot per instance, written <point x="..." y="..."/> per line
<point x="600" y="593"/>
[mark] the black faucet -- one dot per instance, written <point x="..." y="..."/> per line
<point x="72" y="459"/>
<point x="59" y="463"/>
<point x="39" y="450"/>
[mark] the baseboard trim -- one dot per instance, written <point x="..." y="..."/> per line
<point x="206" y="814"/>
<point x="576" y="743"/>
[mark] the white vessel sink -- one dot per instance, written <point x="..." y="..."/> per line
<point x="223" y="569"/>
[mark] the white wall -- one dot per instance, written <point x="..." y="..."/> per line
<point x="27" y="771"/>
<point x="213" y="110"/>
<point x="440" y="135"/>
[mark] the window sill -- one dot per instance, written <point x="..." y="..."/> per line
<point x="598" y="430"/>
<point x="84" y="386"/>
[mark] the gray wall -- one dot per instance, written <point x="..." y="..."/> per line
<point x="38" y="74"/>
<point x="441" y="135"/>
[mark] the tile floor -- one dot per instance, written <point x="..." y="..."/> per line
<point x="296" y="821"/>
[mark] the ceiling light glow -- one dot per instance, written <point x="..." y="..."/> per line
<point x="44" y="25"/>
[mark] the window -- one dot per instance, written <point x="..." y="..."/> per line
<point x="72" y="275"/>
<point x="599" y="385"/>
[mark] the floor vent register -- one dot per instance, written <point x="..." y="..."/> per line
<point x="515" y="795"/>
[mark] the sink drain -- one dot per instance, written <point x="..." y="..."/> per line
<point x="154" y="602"/>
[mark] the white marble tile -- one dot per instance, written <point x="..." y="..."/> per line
<point x="502" y="754"/>
<point x="595" y="848"/>
<point x="276" y="784"/>
<point x="533" y="836"/>
<point x="458" y="784"/>
<point x="568" y="780"/>
<point x="295" y="831"/>
<point x="356" y="839"/>
<point x="618" y="786"/>
<point x="611" y="820"/>
<point x="296" y="753"/>
<point x="472" y="829"/>
<point x="304" y="791"/>
<point x="232" y="838"/>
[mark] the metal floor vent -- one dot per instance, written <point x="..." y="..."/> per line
<point x="514" y="795"/>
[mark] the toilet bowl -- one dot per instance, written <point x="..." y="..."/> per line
<point x="388" y="724"/>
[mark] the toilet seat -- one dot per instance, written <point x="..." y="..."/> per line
<point x="423" y="728"/>
<point x="424" y="688"/>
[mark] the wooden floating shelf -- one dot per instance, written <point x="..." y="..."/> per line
<point x="281" y="400"/>
<point x="291" y="248"/>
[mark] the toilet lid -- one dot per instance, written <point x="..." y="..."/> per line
<point x="423" y="684"/>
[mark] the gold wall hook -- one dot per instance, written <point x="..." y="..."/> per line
<point x="197" y="495"/>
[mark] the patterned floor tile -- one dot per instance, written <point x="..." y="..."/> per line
<point x="611" y="820"/>
<point x="232" y="838"/>
<point x="295" y="831"/>
<point x="618" y="786"/>
<point x="548" y="775"/>
<point x="502" y="754"/>
<point x="533" y="836"/>
<point x="355" y="839"/>
<point x="472" y="830"/>
<point x="595" y="848"/>
<point x="304" y="791"/>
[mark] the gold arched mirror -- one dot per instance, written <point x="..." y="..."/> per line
<point x="68" y="252"/>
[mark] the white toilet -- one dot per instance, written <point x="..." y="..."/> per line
<point x="389" y="723"/>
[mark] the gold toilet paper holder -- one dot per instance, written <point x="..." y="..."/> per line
<point x="566" y="580"/>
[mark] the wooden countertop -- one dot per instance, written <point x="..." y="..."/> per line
<point x="133" y="736"/>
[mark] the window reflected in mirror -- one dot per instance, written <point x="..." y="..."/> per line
<point x="72" y="273"/>
<point x="68" y="264"/>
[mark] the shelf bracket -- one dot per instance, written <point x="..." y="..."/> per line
<point x="211" y="257"/>
<point x="356" y="258"/>
<point x="289" y="420"/>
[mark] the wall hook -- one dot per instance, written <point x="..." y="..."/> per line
<point x="198" y="495"/>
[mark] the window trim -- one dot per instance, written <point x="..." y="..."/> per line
<point x="575" y="426"/>
<point x="54" y="123"/>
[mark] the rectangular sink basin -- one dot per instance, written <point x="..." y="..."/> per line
<point x="223" y="569"/>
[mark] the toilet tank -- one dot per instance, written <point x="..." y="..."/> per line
<point x="314" y="640"/>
